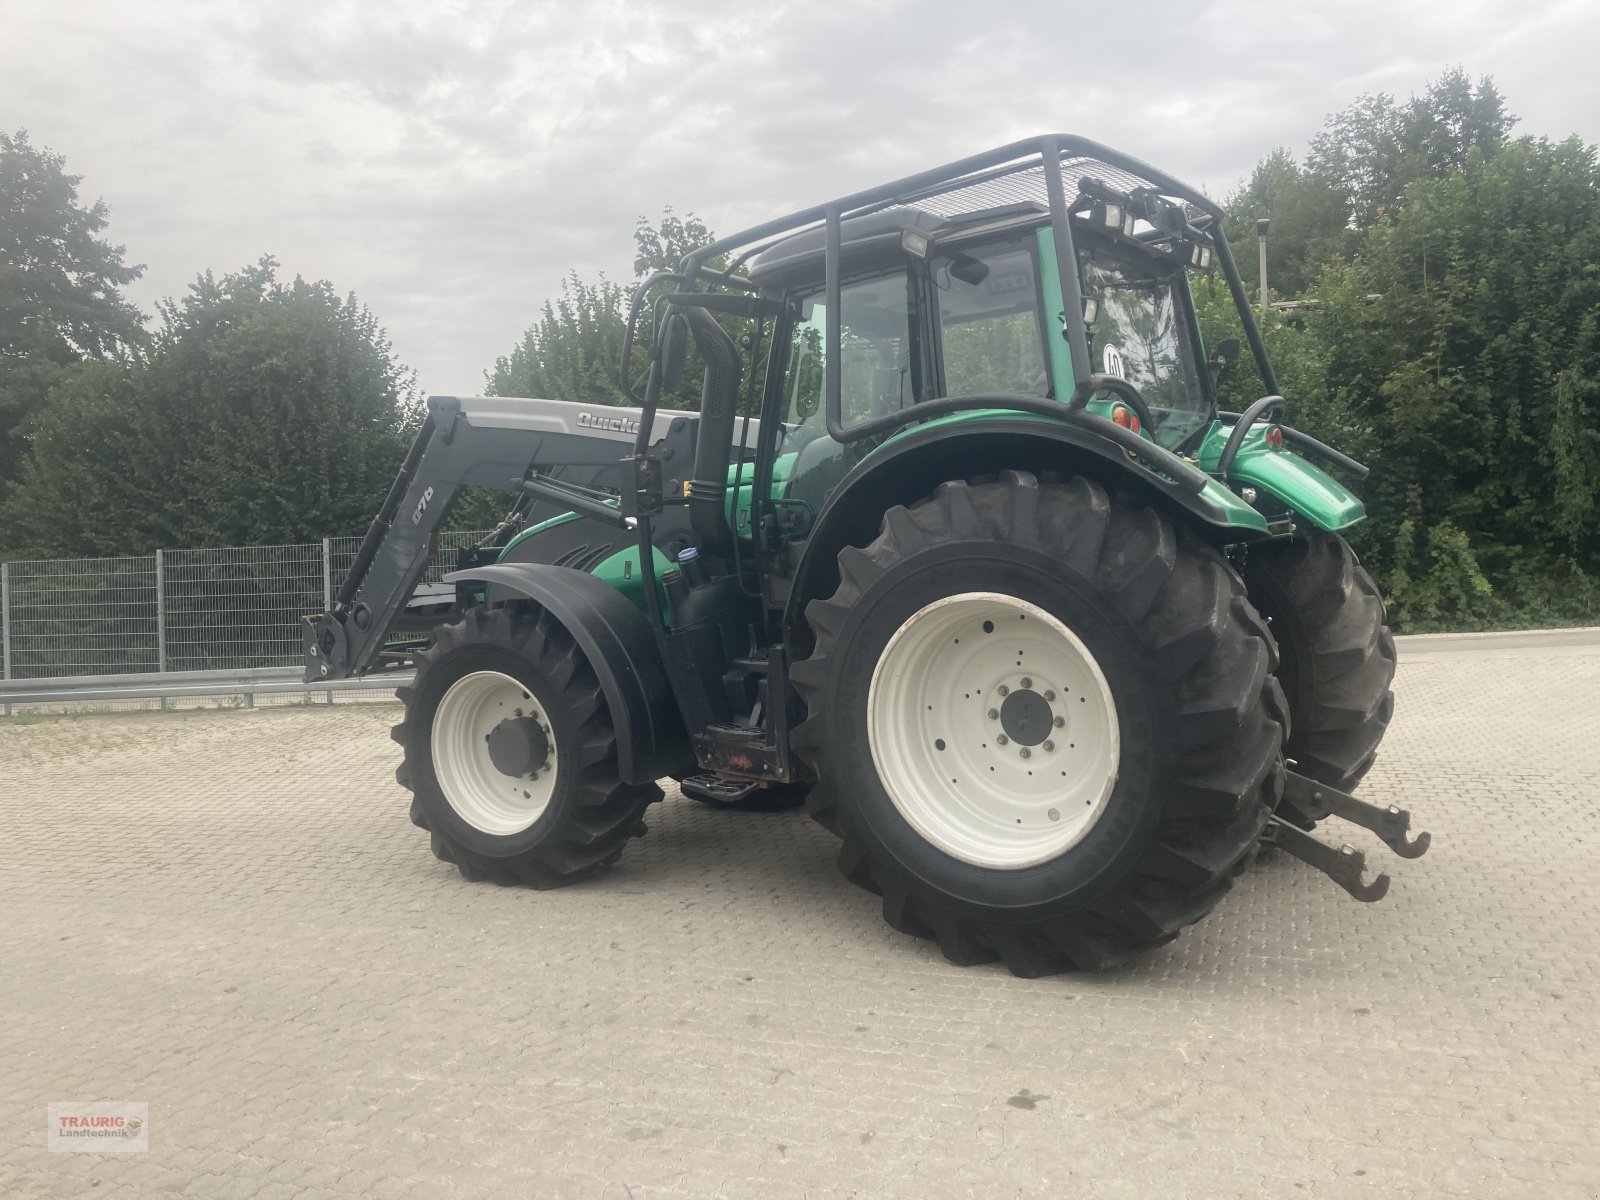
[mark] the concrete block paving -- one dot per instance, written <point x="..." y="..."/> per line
<point x="227" y="915"/>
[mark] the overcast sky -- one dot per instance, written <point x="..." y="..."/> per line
<point x="450" y="161"/>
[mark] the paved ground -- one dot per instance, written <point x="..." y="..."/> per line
<point x="227" y="915"/>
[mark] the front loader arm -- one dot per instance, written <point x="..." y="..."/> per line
<point x="464" y="442"/>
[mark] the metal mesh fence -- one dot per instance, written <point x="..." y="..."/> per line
<point x="236" y="607"/>
<point x="239" y="606"/>
<point x="81" y="617"/>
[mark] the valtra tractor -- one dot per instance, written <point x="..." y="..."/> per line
<point x="958" y="549"/>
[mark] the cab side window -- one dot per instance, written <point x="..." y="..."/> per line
<point x="878" y="368"/>
<point x="989" y="326"/>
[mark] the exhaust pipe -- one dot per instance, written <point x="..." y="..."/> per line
<point x="719" y="404"/>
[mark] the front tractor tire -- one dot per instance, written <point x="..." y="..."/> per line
<point x="1336" y="654"/>
<point x="1044" y="722"/>
<point x="510" y="754"/>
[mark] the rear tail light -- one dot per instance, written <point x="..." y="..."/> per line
<point x="1122" y="415"/>
<point x="1275" y="437"/>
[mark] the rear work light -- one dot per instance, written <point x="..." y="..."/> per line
<point x="1122" y="415"/>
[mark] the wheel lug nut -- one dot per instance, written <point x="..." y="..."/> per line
<point x="1026" y="682"/>
<point x="1001" y="740"/>
<point x="1048" y="745"/>
<point x="1059" y="722"/>
<point x="1003" y="690"/>
<point x="1049" y="696"/>
<point x="1026" y="753"/>
<point x="994" y="714"/>
<point x="1054" y="814"/>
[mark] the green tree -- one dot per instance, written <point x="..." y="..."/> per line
<point x="663" y="246"/>
<point x="573" y="351"/>
<point x="262" y="412"/>
<point x="1370" y="152"/>
<point x="1356" y="174"/>
<point x="1309" y="224"/>
<point x="1467" y="337"/>
<point x="60" y="298"/>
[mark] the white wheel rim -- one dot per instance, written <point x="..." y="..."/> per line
<point x="482" y="795"/>
<point x="980" y="798"/>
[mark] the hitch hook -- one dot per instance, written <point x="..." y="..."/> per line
<point x="1313" y="801"/>
<point x="1345" y="865"/>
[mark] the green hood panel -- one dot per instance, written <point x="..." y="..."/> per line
<point x="559" y="519"/>
<point x="1294" y="481"/>
<point x="620" y="570"/>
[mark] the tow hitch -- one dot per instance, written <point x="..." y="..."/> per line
<point x="1305" y="801"/>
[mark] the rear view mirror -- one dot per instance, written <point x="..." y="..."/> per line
<point x="1223" y="357"/>
<point x="674" y="350"/>
<point x="970" y="271"/>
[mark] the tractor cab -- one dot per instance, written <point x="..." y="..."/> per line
<point x="941" y="307"/>
<point x="938" y="307"/>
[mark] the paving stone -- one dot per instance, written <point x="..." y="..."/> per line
<point x="227" y="915"/>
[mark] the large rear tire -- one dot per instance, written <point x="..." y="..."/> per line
<point x="510" y="753"/>
<point x="1336" y="655"/>
<point x="1044" y="723"/>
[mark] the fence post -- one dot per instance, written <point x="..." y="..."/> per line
<point x="161" y="615"/>
<point x="327" y="585"/>
<point x="5" y="624"/>
<point x="161" y="620"/>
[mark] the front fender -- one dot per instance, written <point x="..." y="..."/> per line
<point x="1304" y="487"/>
<point x="1298" y="483"/>
<point x="615" y="637"/>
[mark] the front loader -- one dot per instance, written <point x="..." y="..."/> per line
<point x="957" y="547"/>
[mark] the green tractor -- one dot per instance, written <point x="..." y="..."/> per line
<point x="958" y="549"/>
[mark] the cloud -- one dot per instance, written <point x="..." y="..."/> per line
<point x="450" y="162"/>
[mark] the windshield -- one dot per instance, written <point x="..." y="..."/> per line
<point x="1140" y="331"/>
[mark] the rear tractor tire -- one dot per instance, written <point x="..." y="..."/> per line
<point x="1044" y="722"/>
<point x="510" y="754"/>
<point x="1336" y="655"/>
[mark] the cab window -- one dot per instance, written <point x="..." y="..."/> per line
<point x="879" y="368"/>
<point x="990" y="333"/>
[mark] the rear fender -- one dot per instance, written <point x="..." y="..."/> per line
<point x="908" y="468"/>
<point x="615" y="637"/>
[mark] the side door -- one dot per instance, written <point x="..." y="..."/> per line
<point x="885" y="365"/>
